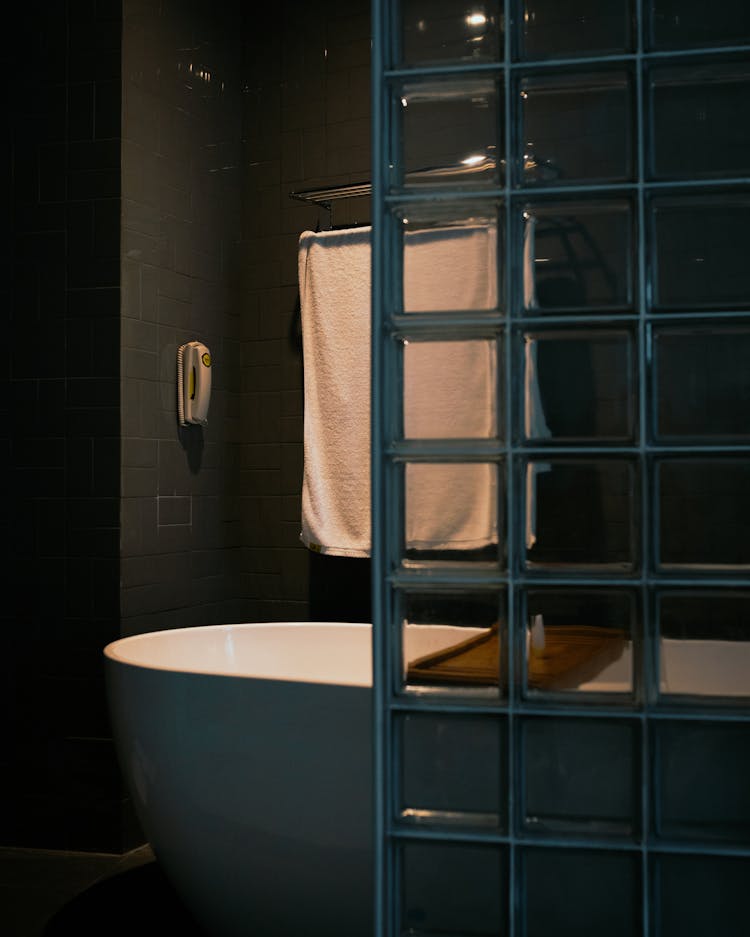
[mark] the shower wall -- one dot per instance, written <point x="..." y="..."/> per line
<point x="306" y="119"/>
<point x="148" y="156"/>
<point x="181" y="233"/>
<point x="225" y="112"/>
<point x="60" y="426"/>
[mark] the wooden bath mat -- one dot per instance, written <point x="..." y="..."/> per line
<point x="572" y="655"/>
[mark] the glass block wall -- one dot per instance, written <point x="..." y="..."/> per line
<point x="561" y="440"/>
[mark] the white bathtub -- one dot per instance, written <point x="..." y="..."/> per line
<point x="247" y="750"/>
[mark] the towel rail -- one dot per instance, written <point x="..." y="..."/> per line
<point x="323" y="196"/>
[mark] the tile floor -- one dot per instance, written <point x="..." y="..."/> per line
<point x="59" y="894"/>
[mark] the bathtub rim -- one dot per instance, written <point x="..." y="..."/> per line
<point x="116" y="652"/>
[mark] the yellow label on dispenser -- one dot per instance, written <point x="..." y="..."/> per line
<point x="206" y="359"/>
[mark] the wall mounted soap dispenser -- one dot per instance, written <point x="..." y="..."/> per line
<point x="193" y="383"/>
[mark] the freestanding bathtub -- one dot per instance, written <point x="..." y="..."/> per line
<point x="247" y="750"/>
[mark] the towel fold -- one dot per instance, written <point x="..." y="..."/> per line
<point x="449" y="390"/>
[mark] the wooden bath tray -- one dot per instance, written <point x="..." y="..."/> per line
<point x="475" y="661"/>
<point x="572" y="655"/>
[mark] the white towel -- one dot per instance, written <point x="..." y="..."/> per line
<point x="450" y="390"/>
<point x="334" y="281"/>
<point x="450" y="268"/>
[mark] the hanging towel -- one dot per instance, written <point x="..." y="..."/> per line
<point x="449" y="390"/>
<point x="450" y="268"/>
<point x="334" y="282"/>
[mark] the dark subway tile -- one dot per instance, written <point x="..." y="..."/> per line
<point x="95" y="182"/>
<point x="52" y="175"/>
<point x="91" y="272"/>
<point x="92" y="421"/>
<point x="99" y="304"/>
<point x="34" y="217"/>
<point x="81" y="111"/>
<point x="92" y="392"/>
<point x="107" y="97"/>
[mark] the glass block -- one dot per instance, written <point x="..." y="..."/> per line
<point x="702" y="383"/>
<point x="575" y="128"/>
<point x="451" y="889"/>
<point x="451" y="511"/>
<point x="450" y="133"/>
<point x="453" y="769"/>
<point x="578" y="641"/>
<point x="453" y="642"/>
<point x="701" y="784"/>
<point x="579" y="514"/>
<point x="435" y="31"/>
<point x="700" y="120"/>
<point x="704" y="644"/>
<point x="450" y="389"/>
<point x="684" y="24"/>
<point x="578" y="386"/>
<point x="580" y="776"/>
<point x="449" y="254"/>
<point x="580" y="893"/>
<point x="703" y="512"/>
<point x="698" y="246"/>
<point x="699" y="895"/>
<point x="550" y="29"/>
<point x="577" y="257"/>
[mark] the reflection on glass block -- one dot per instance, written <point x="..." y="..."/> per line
<point x="579" y="514"/>
<point x="701" y="783"/>
<point x="699" y="245"/>
<point x="699" y="895"/>
<point x="704" y="513"/>
<point x="580" y="893"/>
<point x="577" y="257"/>
<point x="574" y="28"/>
<point x="453" y="642"/>
<point x="450" y="257"/>
<point x="682" y="24"/>
<point x="575" y="128"/>
<point x="436" y="31"/>
<point x="451" y="769"/>
<point x="578" y="386"/>
<point x="704" y="644"/>
<point x="580" y="776"/>
<point x="453" y="890"/>
<point x="578" y="640"/>
<point x="451" y="511"/>
<point x="451" y="133"/>
<point x="450" y="389"/>
<point x="702" y="382"/>
<point x="700" y="120"/>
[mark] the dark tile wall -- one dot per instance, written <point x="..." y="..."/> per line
<point x="126" y="239"/>
<point x="181" y="232"/>
<point x="306" y="124"/>
<point x="60" y="426"/>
